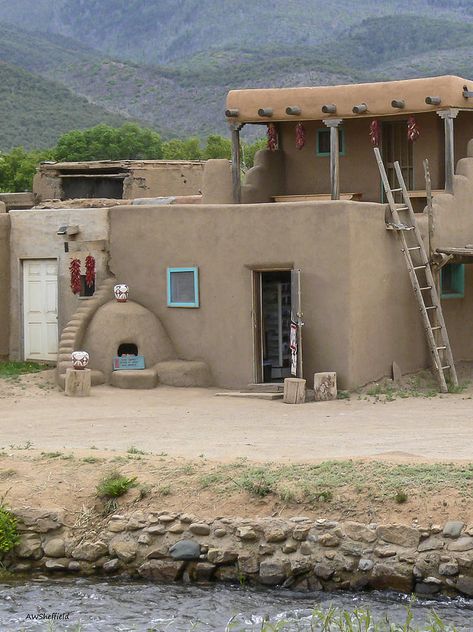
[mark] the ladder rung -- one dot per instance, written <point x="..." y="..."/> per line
<point x="402" y="208"/>
<point x="419" y="267"/>
<point x="432" y="307"/>
<point x="414" y="248"/>
<point x="446" y="367"/>
<point x="440" y="348"/>
<point x="396" y="190"/>
<point x="423" y="289"/>
<point x="437" y="327"/>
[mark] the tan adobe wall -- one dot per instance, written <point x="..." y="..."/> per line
<point x="180" y="178"/>
<point x="359" y="309"/>
<point x="4" y="283"/>
<point x="34" y="236"/>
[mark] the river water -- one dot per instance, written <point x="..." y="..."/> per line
<point x="118" y="606"/>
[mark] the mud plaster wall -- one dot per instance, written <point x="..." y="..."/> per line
<point x="4" y="283"/>
<point x="355" y="289"/>
<point x="33" y="236"/>
<point x="166" y="179"/>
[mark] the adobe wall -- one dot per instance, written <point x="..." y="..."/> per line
<point x="34" y="236"/>
<point x="359" y="309"/>
<point x="180" y="178"/>
<point x="4" y="283"/>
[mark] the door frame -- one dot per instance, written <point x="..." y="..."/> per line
<point x="22" y="314"/>
<point x="257" y="315"/>
<point x="385" y="123"/>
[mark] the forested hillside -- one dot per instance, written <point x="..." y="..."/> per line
<point x="169" y="63"/>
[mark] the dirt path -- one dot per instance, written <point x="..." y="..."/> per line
<point x="192" y="422"/>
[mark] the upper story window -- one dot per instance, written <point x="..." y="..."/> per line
<point x="452" y="281"/>
<point x="183" y="287"/>
<point x="323" y="142"/>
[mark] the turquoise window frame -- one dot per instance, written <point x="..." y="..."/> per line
<point x="196" y="302"/>
<point x="341" y="133"/>
<point x="458" y="274"/>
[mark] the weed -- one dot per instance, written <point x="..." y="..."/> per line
<point x="457" y="388"/>
<point x="51" y="455"/>
<point x="119" y="459"/>
<point x="134" y="450"/>
<point x="7" y="473"/>
<point x="15" y="369"/>
<point x="257" y="482"/>
<point x="343" y="395"/>
<point x="165" y="490"/>
<point x="208" y="480"/>
<point x="144" y="490"/>
<point x="115" y="485"/>
<point x="26" y="446"/>
<point x="400" y="497"/>
<point x="93" y="447"/>
<point x="91" y="459"/>
<point x="9" y="536"/>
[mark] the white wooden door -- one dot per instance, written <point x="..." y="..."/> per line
<point x="40" y="309"/>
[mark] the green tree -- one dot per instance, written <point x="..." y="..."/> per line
<point x="249" y="150"/>
<point x="18" y="167"/>
<point x="178" y="149"/>
<point x="218" y="147"/>
<point x="102" y="142"/>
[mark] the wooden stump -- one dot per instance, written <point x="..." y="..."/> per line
<point x="294" y="390"/>
<point x="325" y="386"/>
<point x="78" y="382"/>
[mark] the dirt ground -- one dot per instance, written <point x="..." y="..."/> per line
<point x="194" y="452"/>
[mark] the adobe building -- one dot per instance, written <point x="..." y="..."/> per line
<point x="294" y="255"/>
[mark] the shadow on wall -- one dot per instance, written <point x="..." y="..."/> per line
<point x="266" y="179"/>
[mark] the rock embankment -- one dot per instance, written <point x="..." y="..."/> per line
<point x="299" y="553"/>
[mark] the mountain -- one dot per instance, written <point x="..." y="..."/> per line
<point x="169" y="63"/>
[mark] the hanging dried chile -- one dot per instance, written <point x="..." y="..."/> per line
<point x="272" y="134"/>
<point x="89" y="271"/>
<point x="74" y="268"/>
<point x="413" y="131"/>
<point x="375" y="133"/>
<point x="300" y="136"/>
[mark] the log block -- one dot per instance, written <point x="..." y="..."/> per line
<point x="294" y="390"/>
<point x="325" y="386"/>
<point x="78" y="382"/>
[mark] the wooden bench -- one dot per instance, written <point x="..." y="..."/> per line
<point x="316" y="197"/>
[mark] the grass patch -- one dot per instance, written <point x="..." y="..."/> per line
<point x="91" y="459"/>
<point x="115" y="485"/>
<point x="134" y="450"/>
<point x="9" y="536"/>
<point x="15" y="369"/>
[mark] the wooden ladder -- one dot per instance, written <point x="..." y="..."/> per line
<point x="420" y="273"/>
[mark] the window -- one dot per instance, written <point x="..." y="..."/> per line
<point x="452" y="281"/>
<point x="323" y="142"/>
<point x="183" y="287"/>
<point x="86" y="290"/>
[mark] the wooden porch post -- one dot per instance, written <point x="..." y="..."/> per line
<point x="448" y="116"/>
<point x="236" y="163"/>
<point x="334" y="157"/>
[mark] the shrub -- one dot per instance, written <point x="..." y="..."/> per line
<point x="9" y="536"/>
<point x="115" y="485"/>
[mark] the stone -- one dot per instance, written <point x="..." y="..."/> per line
<point x="185" y="550"/>
<point x="117" y="526"/>
<point x="161" y="570"/>
<point x="38" y="520"/>
<point x="158" y="529"/>
<point x="246" y="533"/>
<point x="203" y="571"/>
<point x="432" y="543"/>
<point x="74" y="566"/>
<point x="330" y="555"/>
<point x="352" y="548"/>
<point x="465" y="585"/>
<point x="268" y="549"/>
<point x="56" y="547"/>
<point x="248" y="563"/>
<point x="78" y="382"/>
<point x="360" y="532"/>
<point x="57" y="565"/>
<point x="427" y="588"/>
<point x="227" y="574"/>
<point x="89" y="551"/>
<point x="300" y="532"/>
<point x="448" y="569"/>
<point x="187" y="518"/>
<point x="453" y="529"/>
<point x="144" y="539"/>
<point x="465" y="543"/>
<point x="176" y="528"/>
<point x="365" y="565"/>
<point x="328" y="539"/>
<point x="167" y="518"/>
<point x="272" y="572"/>
<point x="392" y="576"/>
<point x="199" y="528"/>
<point x="385" y="551"/>
<point x="294" y="390"/>
<point x="124" y="547"/>
<point x="220" y="533"/>
<point x="21" y="567"/>
<point x="306" y="548"/>
<point x="289" y="547"/>
<point x="465" y="560"/>
<point x="29" y="547"/>
<point x="111" y="566"/>
<point x="323" y="571"/>
<point x="325" y="386"/>
<point x="300" y="519"/>
<point x="158" y="553"/>
<point x="275" y="534"/>
<point x="219" y="556"/>
<point x="300" y="565"/>
<point x="399" y="534"/>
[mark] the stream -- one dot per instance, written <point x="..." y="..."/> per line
<point x="122" y="606"/>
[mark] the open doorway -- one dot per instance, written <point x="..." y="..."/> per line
<point x="396" y="147"/>
<point x="273" y="323"/>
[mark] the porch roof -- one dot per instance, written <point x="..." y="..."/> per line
<point x="305" y="104"/>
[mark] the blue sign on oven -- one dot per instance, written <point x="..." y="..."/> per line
<point x="128" y="363"/>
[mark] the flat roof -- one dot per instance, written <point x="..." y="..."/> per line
<point x="113" y="164"/>
<point x="249" y="105"/>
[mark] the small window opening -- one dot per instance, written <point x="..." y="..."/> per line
<point x="86" y="290"/>
<point x="452" y="280"/>
<point x="323" y="142"/>
<point x="127" y="348"/>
